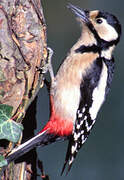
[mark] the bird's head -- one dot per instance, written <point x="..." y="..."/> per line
<point x="104" y="26"/>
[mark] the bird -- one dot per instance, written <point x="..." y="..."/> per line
<point x="80" y="86"/>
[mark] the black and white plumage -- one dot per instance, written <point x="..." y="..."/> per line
<point x="97" y="80"/>
<point x="80" y="86"/>
<point x="93" y="92"/>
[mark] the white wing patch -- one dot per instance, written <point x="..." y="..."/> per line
<point x="98" y="95"/>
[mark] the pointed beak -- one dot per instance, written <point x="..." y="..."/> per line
<point x="82" y="14"/>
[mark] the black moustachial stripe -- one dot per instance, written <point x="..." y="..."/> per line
<point x="95" y="48"/>
<point x="101" y="43"/>
<point x="100" y="75"/>
<point x="84" y="49"/>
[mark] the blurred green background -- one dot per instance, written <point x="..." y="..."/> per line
<point x="102" y="156"/>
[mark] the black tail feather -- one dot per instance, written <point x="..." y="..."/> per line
<point x="41" y="139"/>
<point x="67" y="158"/>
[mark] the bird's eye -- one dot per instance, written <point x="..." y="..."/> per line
<point x="99" y="21"/>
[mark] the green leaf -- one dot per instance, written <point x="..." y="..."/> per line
<point x="9" y="129"/>
<point x="3" y="161"/>
<point x="5" y="112"/>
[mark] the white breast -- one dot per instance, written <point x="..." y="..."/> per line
<point x="67" y="102"/>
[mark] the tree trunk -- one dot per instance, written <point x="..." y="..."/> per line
<point x="23" y="49"/>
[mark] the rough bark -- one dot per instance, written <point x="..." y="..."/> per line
<point x="23" y="48"/>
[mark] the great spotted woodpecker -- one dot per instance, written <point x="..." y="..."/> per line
<point x="80" y="86"/>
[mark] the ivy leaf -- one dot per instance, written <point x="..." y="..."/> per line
<point x="3" y="161"/>
<point x="9" y="129"/>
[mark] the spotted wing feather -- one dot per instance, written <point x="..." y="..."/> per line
<point x="84" y="122"/>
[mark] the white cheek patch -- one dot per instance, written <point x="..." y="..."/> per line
<point x="106" y="31"/>
<point x="98" y="95"/>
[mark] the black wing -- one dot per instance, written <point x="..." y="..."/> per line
<point x="84" y="122"/>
